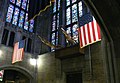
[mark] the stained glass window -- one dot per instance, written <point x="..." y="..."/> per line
<point x="18" y="15"/>
<point x="54" y="7"/>
<point x="15" y="17"/>
<point x="27" y="5"/>
<point x="26" y="22"/>
<point x="31" y="25"/>
<point x="57" y="38"/>
<point x="68" y="17"/>
<point x="74" y="1"/>
<point x="57" y="20"/>
<point x="24" y="3"/>
<point x="75" y="32"/>
<point x="21" y="19"/>
<point x="68" y="30"/>
<point x="80" y="8"/>
<point x="58" y="5"/>
<point x="9" y="14"/>
<point x="18" y="3"/>
<point x="74" y="13"/>
<point x="13" y="1"/>
<point x="53" y="38"/>
<point x="68" y="2"/>
<point x="53" y="23"/>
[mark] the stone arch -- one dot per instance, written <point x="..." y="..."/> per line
<point x="20" y="69"/>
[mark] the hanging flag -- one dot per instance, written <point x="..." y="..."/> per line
<point x="89" y="30"/>
<point x="37" y="6"/>
<point x="1" y="75"/>
<point x="18" y="51"/>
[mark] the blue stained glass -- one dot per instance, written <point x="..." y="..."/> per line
<point x="54" y="7"/>
<point x="53" y="23"/>
<point x="24" y="3"/>
<point x="53" y="41"/>
<point x="31" y="25"/>
<point x="26" y="22"/>
<point x="73" y="1"/>
<point x="58" y="4"/>
<point x="80" y="9"/>
<point x="53" y="38"/>
<point x="68" y="30"/>
<point x="57" y="41"/>
<point x="13" y="1"/>
<point x="57" y="20"/>
<point x="68" y="16"/>
<point x="21" y="19"/>
<point x="18" y="3"/>
<point x="28" y="5"/>
<point x="57" y="38"/>
<point x="15" y="18"/>
<point x="18" y="16"/>
<point x="74" y="13"/>
<point x="9" y="13"/>
<point x="67" y="2"/>
<point x="75" y="32"/>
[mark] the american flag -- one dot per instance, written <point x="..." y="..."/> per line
<point x="89" y="30"/>
<point x="1" y="75"/>
<point x="18" y="51"/>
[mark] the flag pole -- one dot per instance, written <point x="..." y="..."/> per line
<point x="90" y="63"/>
<point x="90" y="60"/>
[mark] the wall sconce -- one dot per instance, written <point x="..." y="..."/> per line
<point x="33" y="61"/>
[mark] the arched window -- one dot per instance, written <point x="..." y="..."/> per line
<point x="67" y="16"/>
<point x="18" y="15"/>
<point x="73" y="10"/>
<point x="55" y="23"/>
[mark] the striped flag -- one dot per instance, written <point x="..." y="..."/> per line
<point x="89" y="30"/>
<point x="18" y="51"/>
<point x="1" y="75"/>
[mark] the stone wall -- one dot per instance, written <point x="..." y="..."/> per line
<point x="24" y="66"/>
<point x="54" y="70"/>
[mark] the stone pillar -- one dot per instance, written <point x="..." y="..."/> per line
<point x="18" y="36"/>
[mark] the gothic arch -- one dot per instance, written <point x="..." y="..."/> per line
<point x="20" y="69"/>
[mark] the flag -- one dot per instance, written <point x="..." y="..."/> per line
<point x="89" y="30"/>
<point x="68" y="37"/>
<point x="18" y="51"/>
<point x="37" y="6"/>
<point x="1" y="75"/>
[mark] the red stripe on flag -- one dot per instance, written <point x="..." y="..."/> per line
<point x="89" y="33"/>
<point x="84" y="35"/>
<point x="98" y="28"/>
<point x="93" y="30"/>
<point x="17" y="53"/>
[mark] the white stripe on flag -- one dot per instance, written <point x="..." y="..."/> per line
<point x="95" y="28"/>
<point x="91" y="32"/>
<point x="86" y="32"/>
<point x="82" y="35"/>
